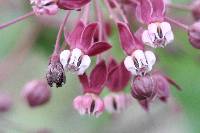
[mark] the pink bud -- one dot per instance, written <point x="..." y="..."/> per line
<point x="143" y="89"/>
<point x="196" y="9"/>
<point x="162" y="86"/>
<point x="194" y="35"/>
<point x="36" y="92"/>
<point x="90" y="104"/>
<point x="5" y="102"/>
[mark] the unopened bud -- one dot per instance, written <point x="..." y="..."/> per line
<point x="36" y="92"/>
<point x="194" y="35"/>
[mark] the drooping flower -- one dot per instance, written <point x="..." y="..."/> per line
<point x="36" y="93"/>
<point x="90" y="103"/>
<point x="80" y="40"/>
<point x="44" y="7"/>
<point x="55" y="73"/>
<point x="117" y="80"/>
<point x="72" y="4"/>
<point x="152" y="13"/>
<point x="138" y="61"/>
<point x="143" y="89"/>
<point x="194" y="34"/>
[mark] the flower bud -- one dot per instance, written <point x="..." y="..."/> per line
<point x="55" y="73"/>
<point x="196" y="9"/>
<point x="36" y="92"/>
<point x="5" y="102"/>
<point x="194" y="35"/>
<point x="143" y="89"/>
<point x="162" y="86"/>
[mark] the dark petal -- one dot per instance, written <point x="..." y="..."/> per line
<point x="87" y="37"/>
<point x="74" y="37"/>
<point x="97" y="78"/>
<point x="84" y="80"/>
<point x="98" y="48"/>
<point x="129" y="42"/>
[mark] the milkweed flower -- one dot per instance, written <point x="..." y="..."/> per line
<point x="152" y="13"/>
<point x="77" y="58"/>
<point x="194" y="34"/>
<point x="138" y="61"/>
<point x="90" y="103"/>
<point x="118" y="78"/>
<point x="6" y="102"/>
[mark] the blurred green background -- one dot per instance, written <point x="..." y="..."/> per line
<point x="24" y="51"/>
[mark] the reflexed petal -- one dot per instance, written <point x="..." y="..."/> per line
<point x="87" y="36"/>
<point x="129" y="64"/>
<point x="64" y="57"/>
<point x="97" y="48"/>
<point x="85" y="63"/>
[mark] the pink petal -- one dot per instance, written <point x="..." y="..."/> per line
<point x="84" y="81"/>
<point x="98" y="77"/>
<point x="87" y="36"/>
<point x="111" y="64"/>
<point x="125" y="76"/>
<point x="144" y="104"/>
<point x="144" y="11"/>
<point x="158" y="9"/>
<point x="97" y="48"/>
<point x="128" y="42"/>
<point x="73" y="39"/>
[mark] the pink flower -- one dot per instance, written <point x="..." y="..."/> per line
<point x="80" y="40"/>
<point x="44" y="7"/>
<point x="72" y="4"/>
<point x="152" y="12"/>
<point x="194" y="34"/>
<point x="90" y="103"/>
<point x="118" y="78"/>
<point x="6" y="102"/>
<point x="138" y="61"/>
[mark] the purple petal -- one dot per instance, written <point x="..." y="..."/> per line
<point x="111" y="64"/>
<point x="125" y="76"/>
<point x="84" y="81"/>
<point x="144" y="104"/>
<point x="73" y="39"/>
<point x="158" y="9"/>
<point x="98" y="77"/>
<point x="72" y="4"/>
<point x="97" y="48"/>
<point x="128" y="42"/>
<point x="144" y="11"/>
<point x="87" y="36"/>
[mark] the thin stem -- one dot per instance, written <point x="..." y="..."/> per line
<point x="86" y="13"/>
<point x="101" y="25"/>
<point x="177" y="23"/>
<point x="99" y="17"/>
<point x="16" y="20"/>
<point x="57" y="45"/>
<point x="120" y="11"/>
<point x="112" y="15"/>
<point x="180" y="7"/>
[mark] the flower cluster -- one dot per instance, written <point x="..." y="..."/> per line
<point x="89" y="38"/>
